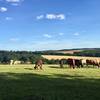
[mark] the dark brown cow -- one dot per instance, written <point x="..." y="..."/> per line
<point x="78" y="63"/>
<point x="71" y="62"/>
<point x="38" y="63"/>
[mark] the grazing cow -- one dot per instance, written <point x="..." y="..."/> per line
<point x="97" y="63"/>
<point x="89" y="62"/>
<point x="17" y="62"/>
<point x="71" y="62"/>
<point x="38" y="63"/>
<point x="11" y="62"/>
<point x="78" y="63"/>
<point x="84" y="62"/>
<point x="93" y="62"/>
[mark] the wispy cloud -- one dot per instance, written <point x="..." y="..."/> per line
<point x="76" y="34"/>
<point x="8" y="18"/>
<point x="40" y="17"/>
<point x="47" y="35"/>
<point x="14" y="39"/>
<point x="15" y="2"/>
<point x="52" y="17"/>
<point x="61" y="34"/>
<point x="3" y="9"/>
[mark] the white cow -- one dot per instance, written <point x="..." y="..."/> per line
<point x="84" y="62"/>
<point x="17" y="62"/>
<point x="11" y="62"/>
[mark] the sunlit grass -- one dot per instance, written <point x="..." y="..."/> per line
<point x="22" y="82"/>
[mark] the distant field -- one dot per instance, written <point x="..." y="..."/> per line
<point x="21" y="82"/>
<point x="68" y="51"/>
<point x="65" y="57"/>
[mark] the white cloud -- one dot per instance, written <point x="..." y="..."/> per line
<point x="55" y="16"/>
<point x="52" y="17"/>
<point x="61" y="16"/>
<point x="40" y="17"/>
<point x="14" y="1"/>
<point x="76" y="34"/>
<point x="3" y="9"/>
<point x="47" y="35"/>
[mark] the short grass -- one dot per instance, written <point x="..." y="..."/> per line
<point x="22" y="82"/>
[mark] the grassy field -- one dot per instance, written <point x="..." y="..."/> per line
<point x="21" y="82"/>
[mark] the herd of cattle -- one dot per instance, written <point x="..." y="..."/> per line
<point x="16" y="62"/>
<point x="78" y="63"/>
<point x="72" y="63"/>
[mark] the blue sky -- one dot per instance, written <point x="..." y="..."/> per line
<point x="49" y="24"/>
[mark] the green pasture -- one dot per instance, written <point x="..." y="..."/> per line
<point x="22" y="82"/>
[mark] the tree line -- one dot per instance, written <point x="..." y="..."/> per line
<point x="29" y="56"/>
<point x="24" y="56"/>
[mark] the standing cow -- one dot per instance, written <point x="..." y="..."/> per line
<point x="78" y="63"/>
<point x="11" y="62"/>
<point x="71" y="62"/>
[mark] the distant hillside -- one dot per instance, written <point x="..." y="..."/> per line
<point x="70" y="51"/>
<point x="92" y="52"/>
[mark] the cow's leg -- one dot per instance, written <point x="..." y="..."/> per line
<point x="41" y="67"/>
<point x="70" y="66"/>
<point x="87" y="65"/>
<point x="36" y="67"/>
<point x="61" y="65"/>
<point x="73" y="67"/>
<point x="98" y="65"/>
<point x="82" y="65"/>
<point x="78" y="66"/>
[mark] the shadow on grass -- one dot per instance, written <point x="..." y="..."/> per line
<point x="29" y="68"/>
<point x="55" y="67"/>
<point x="21" y="86"/>
<point x="66" y="66"/>
<point x="58" y="67"/>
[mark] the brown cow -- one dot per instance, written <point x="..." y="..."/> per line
<point x="93" y="62"/>
<point x="38" y="63"/>
<point x="71" y="62"/>
<point x="78" y="63"/>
